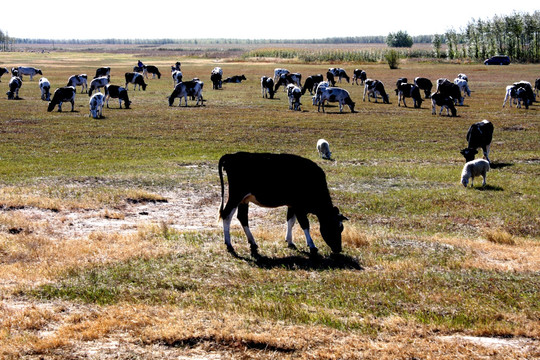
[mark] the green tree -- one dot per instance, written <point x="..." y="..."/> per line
<point x="399" y="39"/>
<point x="436" y="42"/>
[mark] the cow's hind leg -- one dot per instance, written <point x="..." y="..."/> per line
<point x="227" y="215"/>
<point x="291" y="219"/>
<point x="243" y="218"/>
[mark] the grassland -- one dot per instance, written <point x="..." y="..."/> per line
<point x="109" y="245"/>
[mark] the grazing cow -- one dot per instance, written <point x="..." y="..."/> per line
<point x="463" y="76"/>
<point x="63" y="94"/>
<point x="177" y="77"/>
<point x="311" y="83"/>
<point x="294" y="93"/>
<point x="287" y="79"/>
<point x="536" y="86"/>
<point x="359" y="74"/>
<point x="79" y="80"/>
<point x="278" y="72"/>
<point x="324" y="149"/>
<point x="191" y="88"/>
<point x="339" y="73"/>
<point x="15" y="84"/>
<point x="216" y="77"/>
<point x="136" y="79"/>
<point x="463" y="86"/>
<point x="317" y="98"/>
<point x="3" y="71"/>
<point x="438" y="99"/>
<point x="273" y="180"/>
<point x="449" y="89"/>
<point x="521" y="92"/>
<point x="335" y="94"/>
<point x="98" y="83"/>
<point x="405" y="90"/>
<point x="479" y="135"/>
<point x="103" y="71"/>
<point x="96" y="105"/>
<point x="176" y="66"/>
<point x="374" y="87"/>
<point x="424" y="84"/>
<point x="45" y="87"/>
<point x="330" y="78"/>
<point x="28" y="70"/>
<point x="235" y="79"/>
<point x="267" y="87"/>
<point x="152" y="70"/>
<point x="117" y="92"/>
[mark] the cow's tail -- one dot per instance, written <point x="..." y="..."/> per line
<point x="220" y="170"/>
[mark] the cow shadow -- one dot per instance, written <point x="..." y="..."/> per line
<point x="489" y="188"/>
<point x="500" y="165"/>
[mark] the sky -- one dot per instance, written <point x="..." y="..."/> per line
<point x="245" y="19"/>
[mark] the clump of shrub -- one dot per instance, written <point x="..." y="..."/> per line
<point x="392" y="57"/>
<point x="499" y="236"/>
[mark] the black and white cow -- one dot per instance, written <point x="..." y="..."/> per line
<point x="28" y="70"/>
<point x="176" y="66"/>
<point x="235" y="79"/>
<point x="479" y="135"/>
<point x="289" y="78"/>
<point x="463" y="86"/>
<point x="536" y="86"/>
<point x="96" y="105"/>
<point x="520" y="91"/>
<point x="438" y="99"/>
<point x="152" y="70"/>
<point x="424" y="84"/>
<point x="192" y="88"/>
<point x="359" y="74"/>
<point x="267" y="87"/>
<point x="117" y="92"/>
<point x="3" y="71"/>
<point x="45" y="87"/>
<point x="335" y="94"/>
<point x="339" y="73"/>
<point x="463" y="76"/>
<point x="177" y="77"/>
<point x="15" y="84"/>
<point x="405" y="90"/>
<point x="294" y="93"/>
<point x="278" y="72"/>
<point x="103" y="71"/>
<point x="79" y="80"/>
<point x="330" y="78"/>
<point x="318" y="92"/>
<point x="97" y="83"/>
<point x="311" y="82"/>
<point x="374" y="88"/>
<point x="216" y="76"/>
<point x="61" y="95"/>
<point x="136" y="79"/>
<point x="274" y="180"/>
<point x="449" y="89"/>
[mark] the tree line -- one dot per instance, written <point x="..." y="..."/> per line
<point x="5" y="41"/>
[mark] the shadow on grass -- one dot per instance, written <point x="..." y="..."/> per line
<point x="489" y="188"/>
<point x="500" y="165"/>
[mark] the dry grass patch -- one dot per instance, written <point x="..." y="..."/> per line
<point x="499" y="236"/>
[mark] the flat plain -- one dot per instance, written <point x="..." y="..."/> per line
<point x="110" y="245"/>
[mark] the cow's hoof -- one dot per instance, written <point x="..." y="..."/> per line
<point x="255" y="252"/>
<point x="292" y="246"/>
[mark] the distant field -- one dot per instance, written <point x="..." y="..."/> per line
<point x="110" y="246"/>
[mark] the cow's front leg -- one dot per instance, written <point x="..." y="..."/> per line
<point x="243" y="218"/>
<point x="304" y="224"/>
<point x="72" y="106"/>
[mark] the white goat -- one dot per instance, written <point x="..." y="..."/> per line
<point x="472" y="169"/>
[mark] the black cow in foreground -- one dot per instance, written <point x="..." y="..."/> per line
<point x="267" y="87"/>
<point x="311" y="83"/>
<point x="235" y="79"/>
<point x="63" y="94"/>
<point x="479" y="135"/>
<point x="424" y="84"/>
<point x="259" y="178"/>
<point x="117" y="92"/>
<point x="103" y="71"/>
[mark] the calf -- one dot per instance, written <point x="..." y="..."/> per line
<point x="438" y="99"/>
<point x="79" y="80"/>
<point x="463" y="86"/>
<point x="479" y="135"/>
<point x="177" y="77"/>
<point x="339" y="73"/>
<point x="287" y="79"/>
<point x="98" y="83"/>
<point x="96" y="105"/>
<point x="15" y="84"/>
<point x="449" y="89"/>
<point x="374" y="87"/>
<point x="45" y="87"/>
<point x="216" y="77"/>
<point x="359" y="74"/>
<point x="278" y="72"/>
<point x="136" y="79"/>
<point x="63" y="94"/>
<point x="424" y="84"/>
<point x="334" y="94"/>
<point x="267" y="87"/>
<point x="117" y="92"/>
<point x="409" y="90"/>
<point x="273" y="180"/>
<point x="311" y="83"/>
<point x="191" y="88"/>
<point x="28" y="70"/>
<point x="103" y="71"/>
<point x="3" y="71"/>
<point x="294" y="93"/>
<point x="235" y="79"/>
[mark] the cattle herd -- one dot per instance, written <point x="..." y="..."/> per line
<point x="253" y="177"/>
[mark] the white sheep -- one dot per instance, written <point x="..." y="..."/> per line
<point x="472" y="169"/>
<point x="324" y="149"/>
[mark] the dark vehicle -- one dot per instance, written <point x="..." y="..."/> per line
<point x="497" y="60"/>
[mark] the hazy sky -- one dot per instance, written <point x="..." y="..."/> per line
<point x="244" y="19"/>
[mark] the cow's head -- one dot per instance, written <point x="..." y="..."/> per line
<point x="51" y="106"/>
<point x="468" y="153"/>
<point x="331" y="226"/>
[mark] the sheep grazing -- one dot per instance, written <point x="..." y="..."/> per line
<point x="473" y="169"/>
<point x="324" y="149"/>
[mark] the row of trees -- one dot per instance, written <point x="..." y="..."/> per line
<point x="5" y="41"/>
